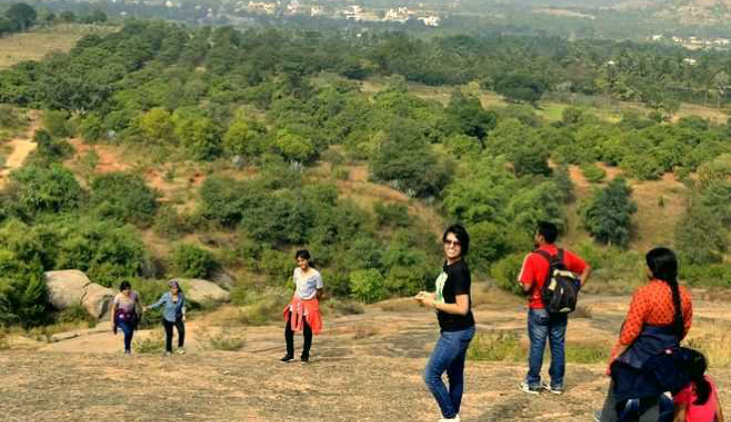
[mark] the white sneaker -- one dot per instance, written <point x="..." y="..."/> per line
<point x="181" y="351"/>
<point x="524" y="387"/>
<point x="454" y="419"/>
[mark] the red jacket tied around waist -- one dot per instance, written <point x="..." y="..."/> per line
<point x="304" y="310"/>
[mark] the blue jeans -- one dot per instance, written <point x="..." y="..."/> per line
<point x="541" y="325"/>
<point x="128" y="333"/>
<point x="448" y="356"/>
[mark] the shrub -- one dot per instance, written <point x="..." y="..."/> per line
<point x="168" y="223"/>
<point x="23" y="292"/>
<point x="193" y="262"/>
<point x="392" y="214"/>
<point x="106" y="252"/>
<point x="52" y="189"/>
<point x="593" y="173"/>
<point x="225" y="340"/>
<point x="55" y="122"/>
<point x="367" y="285"/>
<point x="76" y="313"/>
<point x="125" y="197"/>
<point x="50" y="150"/>
<point x="506" y="271"/>
<point x="153" y="344"/>
<point x="406" y="280"/>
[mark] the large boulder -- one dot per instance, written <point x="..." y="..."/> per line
<point x="72" y="287"/>
<point x="204" y="291"/>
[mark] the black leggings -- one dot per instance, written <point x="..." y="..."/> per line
<point x="289" y="338"/>
<point x="169" y="333"/>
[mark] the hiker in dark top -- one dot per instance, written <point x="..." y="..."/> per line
<point x="124" y="314"/>
<point x="452" y="303"/>
<point x="644" y="363"/>
<point x="543" y="326"/>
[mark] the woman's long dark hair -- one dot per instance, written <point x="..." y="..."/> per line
<point x="663" y="264"/>
<point x="697" y="368"/>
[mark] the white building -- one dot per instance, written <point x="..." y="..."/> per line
<point x="689" y="61"/>
<point x="431" y="20"/>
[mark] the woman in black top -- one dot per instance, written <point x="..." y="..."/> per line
<point x="453" y="307"/>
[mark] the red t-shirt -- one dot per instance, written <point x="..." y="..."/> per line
<point x="535" y="269"/>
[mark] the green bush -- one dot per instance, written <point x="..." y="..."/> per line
<point x="50" y="189"/>
<point x="406" y="280"/>
<point x="505" y="272"/>
<point x="593" y="173"/>
<point x="392" y="214"/>
<point x="707" y="275"/>
<point x="125" y="197"/>
<point x="278" y="265"/>
<point x="49" y="149"/>
<point x="23" y="292"/>
<point x="193" y="262"/>
<point x="76" y="313"/>
<point x="153" y="344"/>
<point x="55" y="122"/>
<point x="367" y="285"/>
<point x="503" y="346"/>
<point x="105" y="251"/>
<point x="225" y="340"/>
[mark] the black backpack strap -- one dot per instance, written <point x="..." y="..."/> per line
<point x="560" y="255"/>
<point x="545" y="255"/>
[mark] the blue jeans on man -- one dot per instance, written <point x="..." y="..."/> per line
<point x="542" y="326"/>
<point x="448" y="356"/>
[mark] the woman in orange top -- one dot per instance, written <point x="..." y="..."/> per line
<point x="659" y="318"/>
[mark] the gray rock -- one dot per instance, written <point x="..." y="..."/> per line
<point x="72" y="287"/>
<point x="204" y="291"/>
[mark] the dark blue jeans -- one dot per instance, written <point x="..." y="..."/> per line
<point x="542" y="326"/>
<point x="128" y="333"/>
<point x="448" y="356"/>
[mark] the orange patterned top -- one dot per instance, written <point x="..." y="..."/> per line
<point x="653" y="304"/>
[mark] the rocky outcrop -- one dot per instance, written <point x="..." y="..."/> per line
<point x="72" y="287"/>
<point x="204" y="291"/>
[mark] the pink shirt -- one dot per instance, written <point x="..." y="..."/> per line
<point x="695" y="412"/>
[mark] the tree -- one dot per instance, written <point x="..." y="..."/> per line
<point x="405" y="159"/>
<point x="199" y="135"/>
<point x="46" y="189"/>
<point x="700" y="236"/>
<point x="468" y="117"/>
<point x="123" y="196"/>
<point x="22" y="15"/>
<point x="157" y="126"/>
<point x="520" y="88"/>
<point x="244" y="138"/>
<point x="608" y="216"/>
<point x="294" y="146"/>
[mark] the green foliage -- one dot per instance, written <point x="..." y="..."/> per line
<point x="608" y="215"/>
<point x="92" y="128"/>
<point x="156" y="125"/>
<point x="56" y="123"/>
<point x="520" y="87"/>
<point x="193" y="262"/>
<point x="294" y="146"/>
<point x="407" y="161"/>
<point x="488" y="244"/>
<point x="23" y="292"/>
<point x="392" y="214"/>
<point x="367" y="285"/>
<point x="593" y="173"/>
<point x="505" y="272"/>
<point x="199" y="135"/>
<point x="50" y="189"/>
<point x="700" y="236"/>
<point x="123" y="196"/>
<point x="503" y="346"/>
<point x="466" y="116"/>
<point x="49" y="149"/>
<point x="244" y="138"/>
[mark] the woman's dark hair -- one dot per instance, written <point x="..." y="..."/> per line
<point x="697" y="366"/>
<point x="663" y="264"/>
<point x="548" y="230"/>
<point x="462" y="236"/>
<point x="302" y="253"/>
<point x="125" y="285"/>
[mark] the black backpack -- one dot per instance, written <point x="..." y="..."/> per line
<point x="560" y="290"/>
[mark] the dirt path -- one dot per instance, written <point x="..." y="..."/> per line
<point x="364" y="368"/>
<point x="22" y="147"/>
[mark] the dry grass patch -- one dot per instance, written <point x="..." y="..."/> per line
<point x="365" y="331"/>
<point x="403" y="304"/>
<point x="226" y="339"/>
<point x="36" y="44"/>
<point x="714" y="343"/>
<point x="507" y="346"/>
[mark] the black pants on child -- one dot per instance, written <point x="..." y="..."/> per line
<point x="169" y="333"/>
<point x="289" y="337"/>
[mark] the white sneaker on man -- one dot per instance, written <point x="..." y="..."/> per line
<point x="454" y="419"/>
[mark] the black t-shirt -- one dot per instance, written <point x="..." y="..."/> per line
<point x="457" y="282"/>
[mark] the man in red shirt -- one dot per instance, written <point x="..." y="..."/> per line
<point x="541" y="324"/>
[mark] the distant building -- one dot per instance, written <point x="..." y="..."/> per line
<point x="431" y="20"/>
<point x="316" y="11"/>
<point x="261" y="7"/>
<point x="657" y="37"/>
<point x="689" y="61"/>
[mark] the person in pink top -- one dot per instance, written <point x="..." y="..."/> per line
<point x="698" y="402"/>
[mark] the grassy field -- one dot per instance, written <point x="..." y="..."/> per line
<point x="36" y="44"/>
